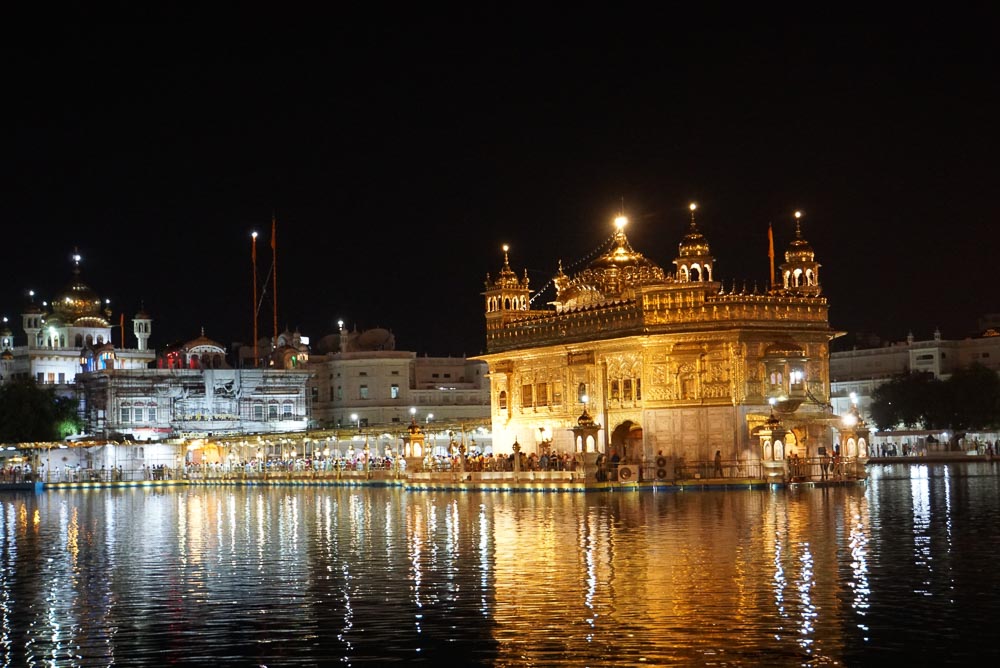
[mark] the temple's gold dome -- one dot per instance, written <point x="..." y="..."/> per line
<point x="611" y="275"/>
<point x="76" y="301"/>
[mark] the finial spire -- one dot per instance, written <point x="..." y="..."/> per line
<point x="692" y="206"/>
<point x="798" y="225"/>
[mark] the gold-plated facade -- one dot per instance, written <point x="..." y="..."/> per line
<point x="671" y="364"/>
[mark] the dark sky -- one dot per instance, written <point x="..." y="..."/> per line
<point x="399" y="159"/>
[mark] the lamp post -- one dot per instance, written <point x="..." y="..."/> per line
<point x="253" y="257"/>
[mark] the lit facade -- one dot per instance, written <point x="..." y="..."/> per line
<point x="362" y="382"/>
<point x="856" y="374"/>
<point x="194" y="393"/>
<point x="72" y="335"/>
<point x="669" y="364"/>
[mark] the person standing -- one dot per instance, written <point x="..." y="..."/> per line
<point x="718" y="464"/>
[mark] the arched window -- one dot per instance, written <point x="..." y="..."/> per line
<point x="502" y="400"/>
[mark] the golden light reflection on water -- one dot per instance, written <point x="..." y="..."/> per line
<point x="778" y="577"/>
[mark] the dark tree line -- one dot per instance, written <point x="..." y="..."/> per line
<point x="31" y="413"/>
<point x="968" y="400"/>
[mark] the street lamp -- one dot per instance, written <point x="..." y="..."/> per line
<point x="355" y="419"/>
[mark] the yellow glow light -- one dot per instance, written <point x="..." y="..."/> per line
<point x="692" y="206"/>
<point x="621" y="222"/>
<point x="506" y="248"/>
<point x="798" y="214"/>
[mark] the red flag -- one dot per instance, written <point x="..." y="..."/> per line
<point x="121" y="320"/>
<point x="273" y="221"/>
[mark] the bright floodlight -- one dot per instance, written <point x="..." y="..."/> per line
<point x="692" y="206"/>
<point x="798" y="214"/>
<point x="585" y="399"/>
<point x="850" y="420"/>
<point x="621" y="222"/>
<point x="413" y="411"/>
<point x="254" y="234"/>
<point x="506" y="248"/>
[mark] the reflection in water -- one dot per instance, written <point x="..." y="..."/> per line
<point x="307" y="575"/>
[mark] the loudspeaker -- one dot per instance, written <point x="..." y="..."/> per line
<point x="664" y="470"/>
<point x="628" y="473"/>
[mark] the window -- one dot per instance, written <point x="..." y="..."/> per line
<point x="638" y="389"/>
<point x="272" y="411"/>
<point x="363" y="373"/>
<point x="258" y="411"/>
<point x="542" y="394"/>
<point x="502" y="400"/>
<point x="557" y="394"/>
<point x="363" y="392"/>
<point x="39" y="377"/>
<point x="286" y="410"/>
<point x="340" y="393"/>
<point x="126" y="414"/>
<point x="581" y="392"/>
<point x="395" y="372"/>
<point x="526" y="396"/>
<point x="435" y="375"/>
<point x="62" y="378"/>
<point x="315" y="394"/>
<point x="627" y="389"/>
<point x="615" y="395"/>
<point x="394" y="391"/>
<point x="447" y="375"/>
<point x="152" y="415"/>
<point x="138" y="414"/>
<point x="51" y="377"/>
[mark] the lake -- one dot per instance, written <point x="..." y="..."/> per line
<point x="897" y="569"/>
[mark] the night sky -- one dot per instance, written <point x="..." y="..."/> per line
<point x="398" y="160"/>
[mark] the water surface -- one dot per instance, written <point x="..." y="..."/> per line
<point x="899" y="569"/>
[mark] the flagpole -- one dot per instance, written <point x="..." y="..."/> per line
<point x="770" y="251"/>
<point x="253" y="257"/>
<point x="274" y="269"/>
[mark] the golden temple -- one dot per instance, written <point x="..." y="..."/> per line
<point x="663" y="364"/>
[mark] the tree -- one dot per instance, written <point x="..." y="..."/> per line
<point x="30" y="413"/>
<point x="969" y="399"/>
<point x="911" y="401"/>
<point x="974" y="398"/>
